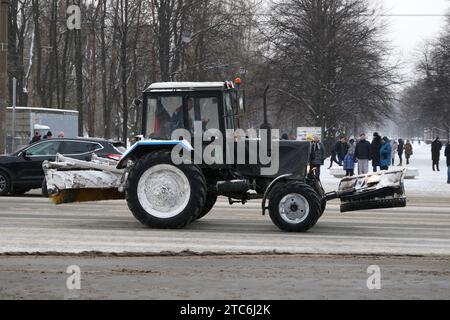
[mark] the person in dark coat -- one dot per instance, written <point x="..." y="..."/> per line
<point x="341" y="148"/>
<point x="362" y="154"/>
<point x="375" y="151"/>
<point x="447" y="154"/>
<point x="317" y="155"/>
<point x="36" y="138"/>
<point x="436" y="148"/>
<point x="400" y="150"/>
<point x="49" y="135"/>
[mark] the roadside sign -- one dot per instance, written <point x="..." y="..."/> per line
<point x="303" y="132"/>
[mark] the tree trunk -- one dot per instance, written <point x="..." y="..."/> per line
<point x="123" y="66"/>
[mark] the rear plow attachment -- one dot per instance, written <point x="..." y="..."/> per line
<point x="380" y="190"/>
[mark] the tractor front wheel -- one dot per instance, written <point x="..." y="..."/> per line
<point x="295" y="207"/>
<point x="162" y="195"/>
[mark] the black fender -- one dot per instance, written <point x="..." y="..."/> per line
<point x="147" y="146"/>
<point x="279" y="179"/>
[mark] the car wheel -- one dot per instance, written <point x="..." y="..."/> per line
<point x="5" y="183"/>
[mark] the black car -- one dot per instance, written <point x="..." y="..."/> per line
<point x="22" y="170"/>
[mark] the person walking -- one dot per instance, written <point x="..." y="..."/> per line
<point x="349" y="159"/>
<point x="394" y="149"/>
<point x="385" y="154"/>
<point x="436" y="148"/>
<point x="408" y="151"/>
<point x="447" y="155"/>
<point x="317" y="155"/>
<point x="375" y="151"/>
<point x="400" y="150"/>
<point x="362" y="154"/>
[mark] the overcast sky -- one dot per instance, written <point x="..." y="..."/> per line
<point x="409" y="33"/>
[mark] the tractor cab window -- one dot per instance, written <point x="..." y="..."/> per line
<point x="164" y="115"/>
<point x="229" y="110"/>
<point x="205" y="110"/>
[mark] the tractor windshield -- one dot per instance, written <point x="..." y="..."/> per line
<point x="165" y="114"/>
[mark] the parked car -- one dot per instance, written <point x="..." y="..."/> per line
<point x="22" y="171"/>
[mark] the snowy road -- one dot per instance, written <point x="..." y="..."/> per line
<point x="32" y="224"/>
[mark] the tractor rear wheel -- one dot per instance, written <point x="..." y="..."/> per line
<point x="162" y="195"/>
<point x="295" y="207"/>
<point x="211" y="199"/>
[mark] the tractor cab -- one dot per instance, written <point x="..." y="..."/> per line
<point x="177" y="105"/>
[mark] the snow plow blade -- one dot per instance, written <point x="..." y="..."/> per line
<point x="374" y="191"/>
<point x="70" y="180"/>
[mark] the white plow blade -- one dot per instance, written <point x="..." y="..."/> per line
<point x="380" y="180"/>
<point x="380" y="190"/>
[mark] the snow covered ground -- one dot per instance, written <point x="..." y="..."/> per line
<point x="427" y="183"/>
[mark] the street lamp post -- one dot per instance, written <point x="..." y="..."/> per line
<point x="4" y="9"/>
<point x="14" y="99"/>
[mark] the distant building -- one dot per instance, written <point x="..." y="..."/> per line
<point x="29" y="120"/>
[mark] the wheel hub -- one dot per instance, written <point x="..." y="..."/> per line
<point x="294" y="208"/>
<point x="164" y="191"/>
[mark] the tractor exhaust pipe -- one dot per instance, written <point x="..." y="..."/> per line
<point x="266" y="125"/>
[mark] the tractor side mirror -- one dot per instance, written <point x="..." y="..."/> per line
<point x="137" y="102"/>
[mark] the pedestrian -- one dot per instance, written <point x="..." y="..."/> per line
<point x="341" y="148"/>
<point x="349" y="159"/>
<point x="394" y="149"/>
<point x="447" y="154"/>
<point x="36" y="138"/>
<point x="400" y="150"/>
<point x="385" y="154"/>
<point x="317" y="155"/>
<point x="61" y="135"/>
<point x="408" y="151"/>
<point x="285" y="136"/>
<point x="362" y="154"/>
<point x="49" y="135"/>
<point x="436" y="148"/>
<point x="375" y="151"/>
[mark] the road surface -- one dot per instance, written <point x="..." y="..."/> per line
<point x="234" y="253"/>
<point x="32" y="224"/>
